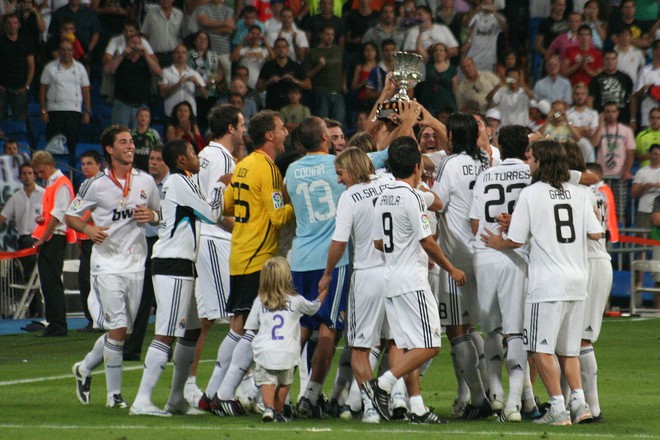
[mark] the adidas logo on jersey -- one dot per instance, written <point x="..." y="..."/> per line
<point x="517" y="367"/>
<point x="118" y="215"/>
<point x="544" y="342"/>
<point x="589" y="329"/>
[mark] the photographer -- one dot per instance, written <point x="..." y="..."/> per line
<point x="512" y="98"/>
<point x="132" y="69"/>
<point x="557" y="125"/>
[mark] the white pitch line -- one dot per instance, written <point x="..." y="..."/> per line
<point x="69" y="376"/>
<point x="293" y="428"/>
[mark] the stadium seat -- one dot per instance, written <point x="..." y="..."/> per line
<point x="83" y="146"/>
<point x="15" y="130"/>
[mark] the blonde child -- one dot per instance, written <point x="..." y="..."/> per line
<point x="276" y="315"/>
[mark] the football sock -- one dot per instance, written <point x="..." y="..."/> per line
<point x="366" y="401"/>
<point x="343" y="377"/>
<point x="184" y="352"/>
<point x="374" y="357"/>
<point x="494" y="355"/>
<point x="399" y="389"/>
<point x="516" y="362"/>
<point x="417" y="405"/>
<point x="154" y="363"/>
<point x="557" y="404"/>
<point x="462" y="390"/>
<point x="528" y="401"/>
<point x="577" y="397"/>
<point x="589" y="369"/>
<point x="240" y="364"/>
<point x="478" y="342"/>
<point x="565" y="389"/>
<point x="313" y="392"/>
<point x="113" y="358"/>
<point x="387" y="381"/>
<point x="222" y="362"/>
<point x="468" y="362"/>
<point x="305" y="366"/>
<point x="95" y="357"/>
<point x="353" y="399"/>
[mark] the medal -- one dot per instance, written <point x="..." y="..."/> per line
<point x="125" y="189"/>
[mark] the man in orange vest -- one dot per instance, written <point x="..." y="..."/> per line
<point x="52" y="236"/>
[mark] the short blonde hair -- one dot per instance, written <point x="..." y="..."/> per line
<point x="362" y="140"/>
<point x="275" y="283"/>
<point x="42" y="158"/>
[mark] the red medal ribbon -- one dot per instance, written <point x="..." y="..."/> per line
<point x="126" y="188"/>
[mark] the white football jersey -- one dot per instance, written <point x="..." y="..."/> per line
<point x="277" y="345"/>
<point x="556" y="224"/>
<point x="456" y="178"/>
<point x="401" y="222"/>
<point x="598" y="248"/>
<point x="125" y="248"/>
<point x="181" y="205"/>
<point x="215" y="161"/>
<point x="496" y="192"/>
<point x="355" y="219"/>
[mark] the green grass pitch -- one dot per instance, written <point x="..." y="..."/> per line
<point x="37" y="399"/>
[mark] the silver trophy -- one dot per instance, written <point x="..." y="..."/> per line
<point x="406" y="74"/>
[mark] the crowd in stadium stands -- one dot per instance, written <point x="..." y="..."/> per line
<point x="203" y="74"/>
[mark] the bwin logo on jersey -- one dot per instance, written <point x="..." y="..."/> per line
<point x="118" y="215"/>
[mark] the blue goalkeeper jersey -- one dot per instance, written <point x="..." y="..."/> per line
<point x="312" y="185"/>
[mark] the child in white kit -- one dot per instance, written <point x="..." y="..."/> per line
<point x="276" y="315"/>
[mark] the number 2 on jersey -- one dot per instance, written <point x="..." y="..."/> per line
<point x="280" y="323"/>
<point x="500" y="198"/>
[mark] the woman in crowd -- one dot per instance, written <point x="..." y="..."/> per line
<point x="362" y="70"/>
<point x="183" y="125"/>
<point x="441" y="80"/>
<point x="206" y="62"/>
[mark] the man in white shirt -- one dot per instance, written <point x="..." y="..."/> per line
<point x="646" y="186"/>
<point x="584" y="119"/>
<point x="163" y="27"/>
<point x="512" y="98"/>
<point x="648" y="88"/>
<point x="121" y="201"/>
<point x="432" y="33"/>
<point x="556" y="219"/>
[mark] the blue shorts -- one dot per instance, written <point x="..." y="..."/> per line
<point x="333" y="311"/>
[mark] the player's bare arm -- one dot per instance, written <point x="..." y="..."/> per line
<point x="431" y="247"/>
<point x="95" y="233"/>
<point x="496" y="241"/>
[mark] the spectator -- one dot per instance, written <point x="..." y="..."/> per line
<point x="376" y="79"/>
<point x="556" y="126"/>
<point x="408" y="16"/>
<point x="326" y="16"/>
<point x="163" y="27"/>
<point x="90" y="165"/>
<point x="253" y="52"/>
<point x="612" y="85"/>
<point x="279" y="75"/>
<point x="179" y="82"/>
<point x="183" y="125"/>
<point x="648" y="137"/>
<point x="116" y="47"/>
<point x="64" y="88"/>
<point x="592" y="19"/>
<point x="512" y="99"/>
<point x="626" y="18"/>
<point x="145" y="139"/>
<point x="385" y="29"/>
<point x="553" y="87"/>
<point x="133" y="71"/>
<point x="112" y="14"/>
<point x="206" y="62"/>
<point x="447" y="14"/>
<point x="361" y="73"/>
<point x="242" y="73"/>
<point x="273" y="24"/>
<point x="567" y="39"/>
<point x="431" y="33"/>
<point x="218" y="20"/>
<point x="248" y="18"/>
<point x="17" y="55"/>
<point x="551" y="27"/>
<point x="583" y="62"/>
<point x="32" y="24"/>
<point x="52" y="236"/>
<point x="87" y="23"/>
<point x="538" y="110"/>
<point x="584" y="119"/>
<point x="648" y="87"/>
<point x="324" y="68"/>
<point x="473" y="90"/>
<point x="485" y="26"/>
<point x="22" y="210"/>
<point x="615" y="145"/>
<point x="297" y="39"/>
<point x="630" y="60"/>
<point x="510" y="59"/>
<point x="68" y="32"/>
<point x="294" y="113"/>
<point x="437" y="90"/>
<point x="646" y="187"/>
<point x="357" y="23"/>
